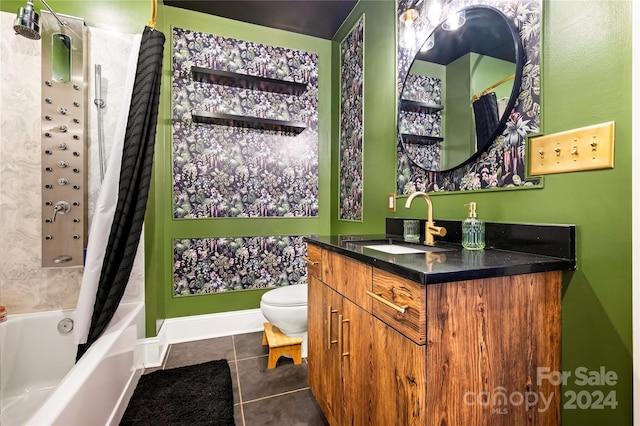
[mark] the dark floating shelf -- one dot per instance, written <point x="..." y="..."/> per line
<point x="417" y="106"/>
<point x="206" y="117"/>
<point x="244" y="81"/>
<point x="420" y="139"/>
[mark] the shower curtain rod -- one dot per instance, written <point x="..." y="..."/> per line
<point x="154" y="9"/>
<point x="490" y="88"/>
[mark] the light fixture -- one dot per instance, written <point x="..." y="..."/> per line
<point x="27" y="22"/>
<point x="428" y="45"/>
<point x="454" y="21"/>
<point x="434" y="12"/>
<point x="408" y="20"/>
<point x="409" y="16"/>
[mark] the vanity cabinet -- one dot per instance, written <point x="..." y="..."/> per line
<point x="385" y="350"/>
<point x="361" y="371"/>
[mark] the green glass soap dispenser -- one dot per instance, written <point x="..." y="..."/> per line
<point x="472" y="230"/>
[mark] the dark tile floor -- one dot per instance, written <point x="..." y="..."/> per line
<point x="262" y="397"/>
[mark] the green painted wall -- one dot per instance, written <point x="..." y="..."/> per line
<point x="586" y="79"/>
<point x="379" y="115"/>
<point x="486" y="71"/>
<point x="459" y="128"/>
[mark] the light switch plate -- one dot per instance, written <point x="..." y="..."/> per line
<point x="587" y="148"/>
<point x="391" y="202"/>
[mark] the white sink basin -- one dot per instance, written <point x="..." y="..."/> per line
<point x="400" y="249"/>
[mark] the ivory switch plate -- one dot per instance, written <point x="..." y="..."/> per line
<point x="587" y="148"/>
<point x="391" y="202"/>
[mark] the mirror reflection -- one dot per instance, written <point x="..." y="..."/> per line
<point x="460" y="89"/>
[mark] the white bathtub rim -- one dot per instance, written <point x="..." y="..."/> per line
<point x="17" y="317"/>
<point x="153" y="350"/>
<point x="52" y="408"/>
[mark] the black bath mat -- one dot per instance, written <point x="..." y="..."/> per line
<point x="194" y="395"/>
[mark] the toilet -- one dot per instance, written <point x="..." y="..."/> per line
<point x="286" y="308"/>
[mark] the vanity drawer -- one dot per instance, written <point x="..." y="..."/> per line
<point x="401" y="304"/>
<point x="350" y="278"/>
<point x="314" y="261"/>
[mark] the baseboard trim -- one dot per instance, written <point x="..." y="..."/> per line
<point x="198" y="327"/>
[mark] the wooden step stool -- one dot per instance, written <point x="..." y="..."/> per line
<point x="281" y="344"/>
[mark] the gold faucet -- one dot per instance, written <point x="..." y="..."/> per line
<point x="430" y="229"/>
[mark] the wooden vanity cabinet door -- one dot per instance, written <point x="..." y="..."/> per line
<point x="324" y="370"/>
<point x="355" y="352"/>
<point x="399" y="378"/>
<point x="492" y="335"/>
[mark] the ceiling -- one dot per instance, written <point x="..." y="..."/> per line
<point x="485" y="32"/>
<point x="317" y="18"/>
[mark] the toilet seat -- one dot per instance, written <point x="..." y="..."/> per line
<point x="291" y="295"/>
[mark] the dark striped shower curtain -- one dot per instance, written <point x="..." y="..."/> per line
<point x="133" y="191"/>
<point x="485" y="111"/>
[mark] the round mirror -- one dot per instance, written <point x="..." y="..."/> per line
<point x="460" y="89"/>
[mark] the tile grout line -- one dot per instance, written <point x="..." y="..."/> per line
<point x="235" y="358"/>
<point x="253" y="357"/>
<point x="276" y="394"/>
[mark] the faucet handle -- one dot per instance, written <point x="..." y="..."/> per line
<point x="440" y="231"/>
<point x="61" y="207"/>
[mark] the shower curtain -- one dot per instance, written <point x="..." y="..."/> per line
<point x="133" y="191"/>
<point x="104" y="210"/>
<point x="485" y="110"/>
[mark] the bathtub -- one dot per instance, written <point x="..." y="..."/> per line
<point x="39" y="383"/>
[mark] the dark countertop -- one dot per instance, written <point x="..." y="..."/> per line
<point x="450" y="263"/>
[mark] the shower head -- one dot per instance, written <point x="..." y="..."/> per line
<point x="26" y="23"/>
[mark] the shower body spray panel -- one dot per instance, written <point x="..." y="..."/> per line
<point x="64" y="141"/>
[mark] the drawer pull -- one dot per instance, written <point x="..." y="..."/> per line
<point x="309" y="261"/>
<point x="401" y="309"/>
<point x="341" y="321"/>
<point x="330" y="312"/>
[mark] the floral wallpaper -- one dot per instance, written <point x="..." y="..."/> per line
<point x="214" y="265"/>
<point x="423" y="123"/>
<point x="503" y="165"/>
<point x="351" y="123"/>
<point x="423" y="88"/>
<point x="225" y="171"/>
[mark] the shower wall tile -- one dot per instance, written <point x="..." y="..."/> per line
<point x="24" y="285"/>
